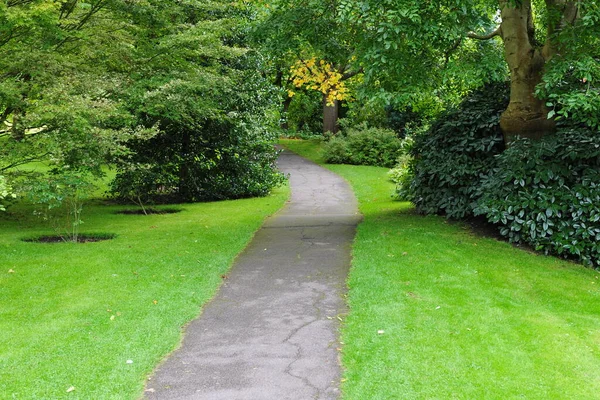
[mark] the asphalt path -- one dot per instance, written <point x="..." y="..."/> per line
<point x="272" y="331"/>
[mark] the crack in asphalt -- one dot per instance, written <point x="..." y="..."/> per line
<point x="288" y="369"/>
<point x="271" y="333"/>
<point x="299" y="354"/>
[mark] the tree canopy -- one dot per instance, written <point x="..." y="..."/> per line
<point x="85" y="83"/>
<point x="550" y="47"/>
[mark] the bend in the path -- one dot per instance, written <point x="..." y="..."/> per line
<point x="272" y="330"/>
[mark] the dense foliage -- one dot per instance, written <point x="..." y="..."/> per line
<point x="223" y="155"/>
<point x="542" y="193"/>
<point x="304" y="115"/>
<point x="309" y="48"/>
<point x="449" y="161"/>
<point x="547" y="194"/>
<point x="62" y="65"/>
<point x="364" y="146"/>
<point x="571" y="80"/>
<point x="204" y="93"/>
<point x="420" y="49"/>
<point x="86" y="84"/>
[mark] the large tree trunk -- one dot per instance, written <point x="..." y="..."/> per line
<point x="330" y="116"/>
<point x="526" y="116"/>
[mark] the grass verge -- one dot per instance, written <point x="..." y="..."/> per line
<point x="91" y="321"/>
<point x="437" y="312"/>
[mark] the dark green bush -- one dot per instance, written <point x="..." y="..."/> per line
<point x="547" y="194"/>
<point x="222" y="161"/>
<point x="399" y="121"/>
<point x="364" y="146"/>
<point x="305" y="113"/>
<point x="214" y="140"/>
<point x="449" y="161"/>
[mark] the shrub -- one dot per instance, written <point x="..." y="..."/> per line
<point x="364" y="146"/>
<point x="226" y="160"/>
<point x="305" y="113"/>
<point x="214" y="139"/>
<point x="401" y="176"/>
<point x="547" y="194"/>
<point x="59" y="200"/>
<point x="449" y="161"/>
<point x="400" y="121"/>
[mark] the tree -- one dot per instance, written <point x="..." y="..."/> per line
<point x="200" y="86"/>
<point x="404" y="43"/>
<point x="294" y="33"/>
<point x="527" y="56"/>
<point x="62" y="63"/>
<point x="326" y="79"/>
<point x="82" y="79"/>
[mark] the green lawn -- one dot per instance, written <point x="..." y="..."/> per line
<point x="437" y="312"/>
<point x="98" y="317"/>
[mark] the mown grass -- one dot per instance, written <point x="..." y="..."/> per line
<point x="438" y="312"/>
<point x="98" y="317"/>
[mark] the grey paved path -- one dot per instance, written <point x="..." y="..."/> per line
<point x="271" y="333"/>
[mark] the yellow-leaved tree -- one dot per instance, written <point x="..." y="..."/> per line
<point x="324" y="77"/>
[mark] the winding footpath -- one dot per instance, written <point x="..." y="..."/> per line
<point x="271" y="332"/>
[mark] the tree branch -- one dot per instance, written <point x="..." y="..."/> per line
<point x="565" y="13"/>
<point x="350" y="74"/>
<point x="497" y="32"/>
<point x="24" y="161"/>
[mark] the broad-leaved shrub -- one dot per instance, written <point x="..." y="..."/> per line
<point x="364" y="146"/>
<point x="547" y="194"/>
<point x="449" y="160"/>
